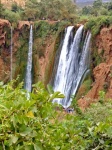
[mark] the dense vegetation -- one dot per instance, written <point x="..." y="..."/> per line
<point x="97" y="16"/>
<point x="98" y="8"/>
<point x="42" y="10"/>
<point x="34" y="124"/>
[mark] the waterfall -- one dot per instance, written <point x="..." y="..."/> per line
<point x="83" y="64"/>
<point x="11" y="54"/>
<point x="61" y="75"/>
<point x="28" y="78"/>
<point x="73" y="65"/>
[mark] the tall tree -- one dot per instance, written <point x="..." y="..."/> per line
<point x="97" y="4"/>
<point x="50" y="9"/>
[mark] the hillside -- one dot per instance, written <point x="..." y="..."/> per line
<point x="82" y="3"/>
<point x="9" y="2"/>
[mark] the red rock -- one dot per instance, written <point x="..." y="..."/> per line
<point x="23" y="23"/>
<point x="103" y="72"/>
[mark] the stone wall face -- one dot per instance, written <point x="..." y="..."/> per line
<point x="102" y="73"/>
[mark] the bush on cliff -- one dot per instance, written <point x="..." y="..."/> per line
<point x="96" y="23"/>
<point x="11" y="16"/>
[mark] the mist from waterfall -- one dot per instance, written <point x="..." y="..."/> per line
<point x="73" y="64"/>
<point x="28" y="78"/>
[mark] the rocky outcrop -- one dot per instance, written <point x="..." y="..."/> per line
<point x="21" y="24"/>
<point x="104" y="43"/>
<point x="102" y="75"/>
<point x="3" y="24"/>
<point x="5" y="44"/>
<point x="44" y="42"/>
<point x="103" y="72"/>
<point x="4" y="69"/>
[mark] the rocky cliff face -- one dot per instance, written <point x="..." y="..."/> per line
<point x="5" y="46"/>
<point x="46" y="42"/>
<point x="46" y="35"/>
<point x="102" y="73"/>
<point x="4" y="54"/>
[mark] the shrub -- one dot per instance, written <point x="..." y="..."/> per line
<point x="35" y="125"/>
<point x="22" y="120"/>
<point x="12" y="16"/>
<point x="95" y="24"/>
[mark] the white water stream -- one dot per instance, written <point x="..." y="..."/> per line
<point x="73" y="64"/>
<point x="28" y="79"/>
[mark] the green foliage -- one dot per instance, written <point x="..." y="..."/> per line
<point x="95" y="24"/>
<point x="86" y="10"/>
<point x="97" y="16"/>
<point x="34" y="125"/>
<point x="21" y="54"/>
<point x="99" y="112"/>
<point x="11" y="16"/>
<point x="43" y="27"/>
<point x="22" y="120"/>
<point x="75" y="106"/>
<point x="49" y="9"/>
<point x="101" y="96"/>
<point x="84" y="88"/>
<point x="43" y="32"/>
<point x="97" y="4"/>
<point x="1" y="10"/>
<point x="97" y="9"/>
<point x="15" y="8"/>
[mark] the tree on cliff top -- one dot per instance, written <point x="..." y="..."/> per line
<point x="49" y="9"/>
<point x="97" y="4"/>
<point x="98" y="8"/>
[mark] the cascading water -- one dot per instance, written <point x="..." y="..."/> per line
<point x="28" y="78"/>
<point x="73" y="65"/>
<point x="11" y="54"/>
<point x="83" y="64"/>
<point x="61" y="76"/>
